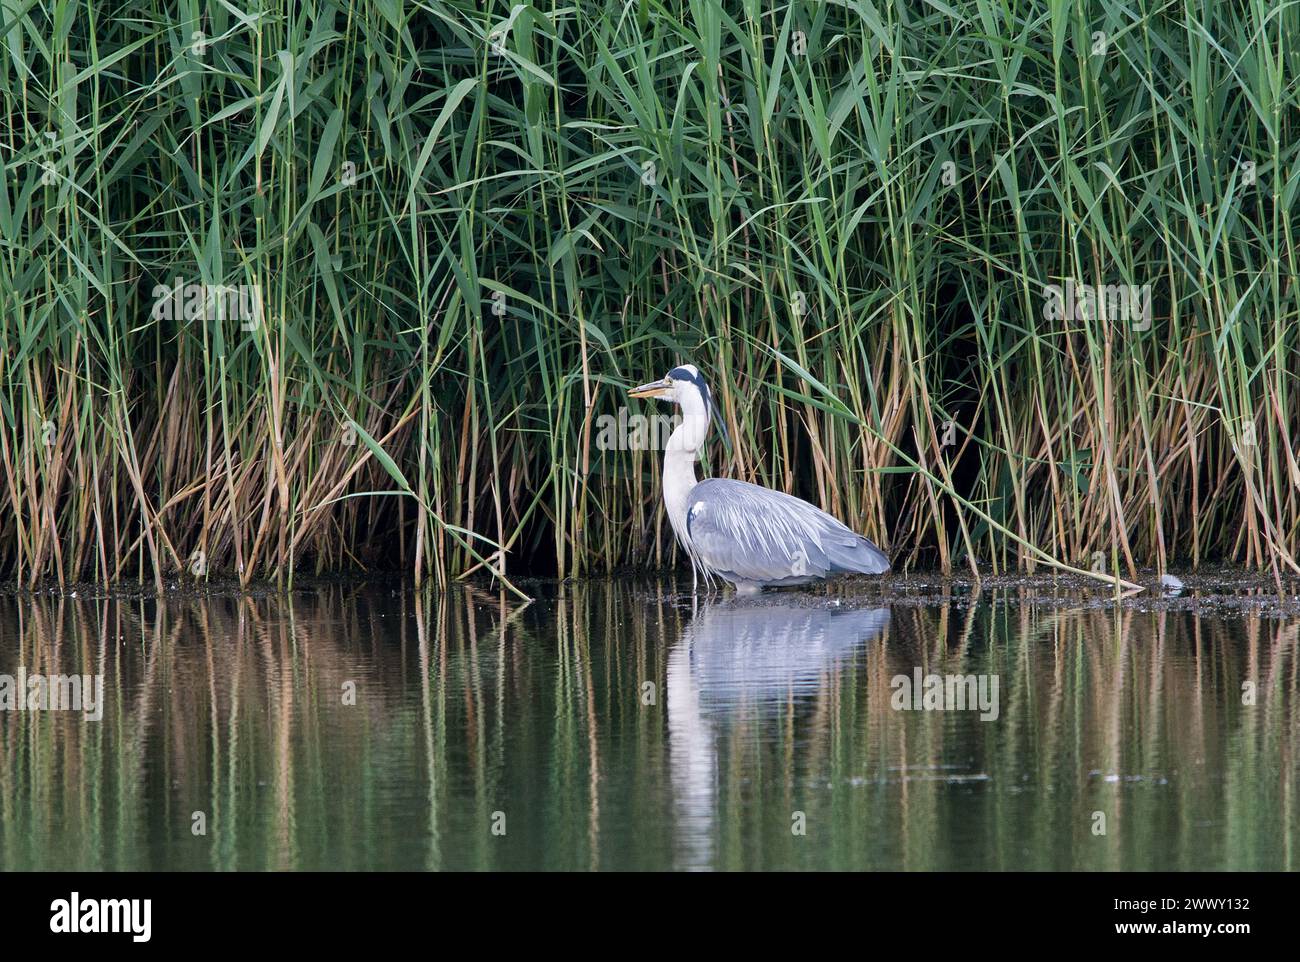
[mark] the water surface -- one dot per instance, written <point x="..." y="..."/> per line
<point x="622" y="726"/>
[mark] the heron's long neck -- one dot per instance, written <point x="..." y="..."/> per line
<point x="679" y="464"/>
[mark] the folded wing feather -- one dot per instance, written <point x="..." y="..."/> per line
<point x="747" y="533"/>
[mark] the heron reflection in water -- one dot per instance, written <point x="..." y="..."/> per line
<point x="738" y="662"/>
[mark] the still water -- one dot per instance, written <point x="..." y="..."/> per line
<point x="621" y="726"/>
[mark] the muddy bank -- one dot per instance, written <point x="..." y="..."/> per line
<point x="1211" y="590"/>
<point x="215" y="587"/>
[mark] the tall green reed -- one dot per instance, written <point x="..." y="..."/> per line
<point x="471" y="225"/>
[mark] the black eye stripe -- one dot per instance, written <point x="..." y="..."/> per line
<point x="681" y="374"/>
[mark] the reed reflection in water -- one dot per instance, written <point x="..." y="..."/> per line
<point x="615" y="725"/>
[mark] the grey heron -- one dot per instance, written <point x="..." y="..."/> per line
<point x="748" y="535"/>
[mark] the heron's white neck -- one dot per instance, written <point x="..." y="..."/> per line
<point x="679" y="462"/>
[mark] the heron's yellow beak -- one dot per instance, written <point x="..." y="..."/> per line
<point x="662" y="388"/>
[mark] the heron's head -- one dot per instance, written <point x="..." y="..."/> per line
<point x="684" y="386"/>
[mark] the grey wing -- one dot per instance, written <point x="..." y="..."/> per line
<point x="748" y="533"/>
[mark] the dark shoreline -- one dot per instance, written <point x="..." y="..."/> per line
<point x="1213" y="589"/>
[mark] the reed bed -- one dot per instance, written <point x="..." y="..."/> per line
<point x="464" y="228"/>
